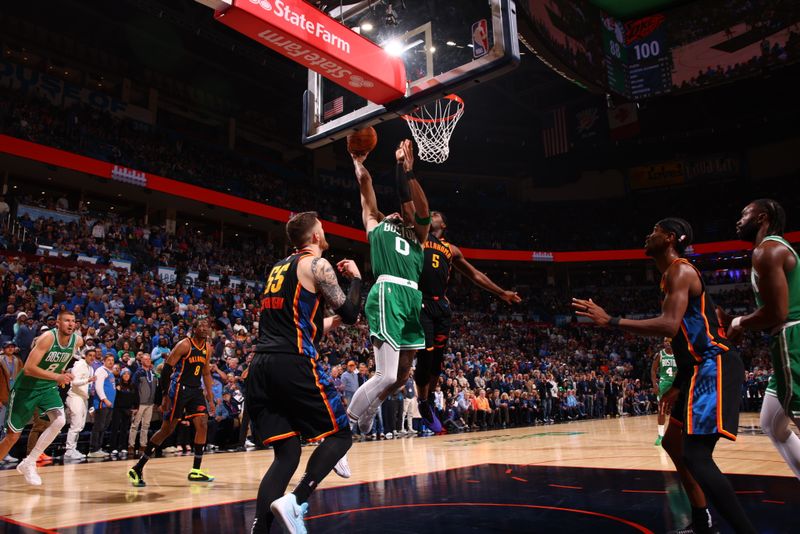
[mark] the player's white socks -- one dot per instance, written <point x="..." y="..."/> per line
<point x="57" y="422"/>
<point x="387" y="361"/>
<point x="775" y="424"/>
<point x="661" y="430"/>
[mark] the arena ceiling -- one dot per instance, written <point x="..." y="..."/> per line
<point x="634" y="8"/>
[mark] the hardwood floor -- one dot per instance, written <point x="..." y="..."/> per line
<point x="88" y="492"/>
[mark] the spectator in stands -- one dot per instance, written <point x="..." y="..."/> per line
<point x="124" y="404"/>
<point x="145" y="382"/>
<point x="7" y="323"/>
<point x="78" y="405"/>
<point x="105" y="392"/>
<point x="160" y="351"/>
<point x="409" y="401"/>
<point x="10" y="366"/>
<point x="24" y="332"/>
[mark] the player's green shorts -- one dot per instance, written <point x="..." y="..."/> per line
<point x="393" y="314"/>
<point x="785" y="382"/>
<point x="663" y="387"/>
<point x="23" y="404"/>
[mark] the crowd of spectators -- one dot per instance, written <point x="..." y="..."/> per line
<point x="472" y="211"/>
<point x="500" y="371"/>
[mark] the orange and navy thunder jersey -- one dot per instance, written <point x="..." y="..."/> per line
<point x="189" y="369"/>
<point x="291" y="316"/>
<point x="436" y="268"/>
<point x="700" y="337"/>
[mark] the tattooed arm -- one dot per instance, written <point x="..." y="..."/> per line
<point x="326" y="283"/>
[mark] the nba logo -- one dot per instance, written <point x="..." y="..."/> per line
<point x="480" y="39"/>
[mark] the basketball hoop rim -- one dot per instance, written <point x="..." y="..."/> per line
<point x="455" y="98"/>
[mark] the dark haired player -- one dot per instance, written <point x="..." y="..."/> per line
<point x="394" y="302"/>
<point x="185" y="366"/>
<point x="440" y="257"/>
<point x="289" y="393"/>
<point x="704" y="399"/>
<point x="776" y="283"/>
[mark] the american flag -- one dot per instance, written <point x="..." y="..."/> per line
<point x="333" y="108"/>
<point x="554" y="132"/>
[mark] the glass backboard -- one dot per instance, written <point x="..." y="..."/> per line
<point x="446" y="46"/>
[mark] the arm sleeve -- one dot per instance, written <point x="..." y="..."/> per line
<point x="164" y="379"/>
<point x="401" y="180"/>
<point x="352" y="304"/>
<point x="99" y="386"/>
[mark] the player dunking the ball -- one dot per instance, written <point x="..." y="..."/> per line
<point x="776" y="283"/>
<point x="663" y="375"/>
<point x="704" y="399"/>
<point x="440" y="257"/>
<point x="394" y="302"/>
<point x="289" y="392"/>
<point x="186" y="365"/>
<point x="36" y="390"/>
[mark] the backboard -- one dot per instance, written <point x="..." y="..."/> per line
<point x="446" y="46"/>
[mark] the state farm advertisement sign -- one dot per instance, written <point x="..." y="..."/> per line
<point x="309" y="37"/>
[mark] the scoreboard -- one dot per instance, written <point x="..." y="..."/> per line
<point x="638" y="60"/>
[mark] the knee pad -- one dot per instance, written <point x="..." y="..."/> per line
<point x="774" y="422"/>
<point x="57" y="418"/>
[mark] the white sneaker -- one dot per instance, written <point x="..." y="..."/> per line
<point x="28" y="470"/>
<point x="114" y="452"/>
<point x="290" y="514"/>
<point x="100" y="453"/>
<point x="249" y="444"/>
<point x="169" y="450"/>
<point x="10" y="459"/>
<point x="342" y="468"/>
<point x="389" y="435"/>
<point x="73" y="454"/>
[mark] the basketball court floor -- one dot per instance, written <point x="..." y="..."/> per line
<point x="589" y="476"/>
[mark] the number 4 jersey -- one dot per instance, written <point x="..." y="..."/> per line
<point x="667" y="369"/>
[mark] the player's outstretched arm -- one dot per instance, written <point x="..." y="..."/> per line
<point x="678" y="285"/>
<point x="480" y="279"/>
<point x="325" y="282"/>
<point x="32" y="369"/>
<point x="370" y="214"/>
<point x="409" y="189"/>
<point x="181" y="349"/>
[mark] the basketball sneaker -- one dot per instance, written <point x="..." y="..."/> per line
<point x="342" y="468"/>
<point x="429" y="417"/>
<point x="43" y="460"/>
<point x="73" y="454"/>
<point x="658" y="441"/>
<point x="136" y="478"/>
<point x="28" y="470"/>
<point x="290" y="514"/>
<point x="9" y="459"/>
<point x="198" y="475"/>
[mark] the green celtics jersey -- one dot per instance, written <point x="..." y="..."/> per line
<point x="667" y="368"/>
<point x="55" y="360"/>
<point x="395" y="250"/>
<point x="792" y="279"/>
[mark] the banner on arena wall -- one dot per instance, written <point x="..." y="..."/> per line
<point x="87" y="259"/>
<point x="122" y="264"/>
<point x="543" y="256"/>
<point x="235" y="281"/>
<point x="35" y="212"/>
<point x="62" y="93"/>
<point x="213" y="279"/>
<point x="714" y="166"/>
<point x="656" y="175"/>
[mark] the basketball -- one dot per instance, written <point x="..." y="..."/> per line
<point x="362" y="141"/>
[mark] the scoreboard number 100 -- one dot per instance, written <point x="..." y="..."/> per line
<point x="647" y="50"/>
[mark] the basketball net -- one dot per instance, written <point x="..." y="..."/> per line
<point x="432" y="124"/>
